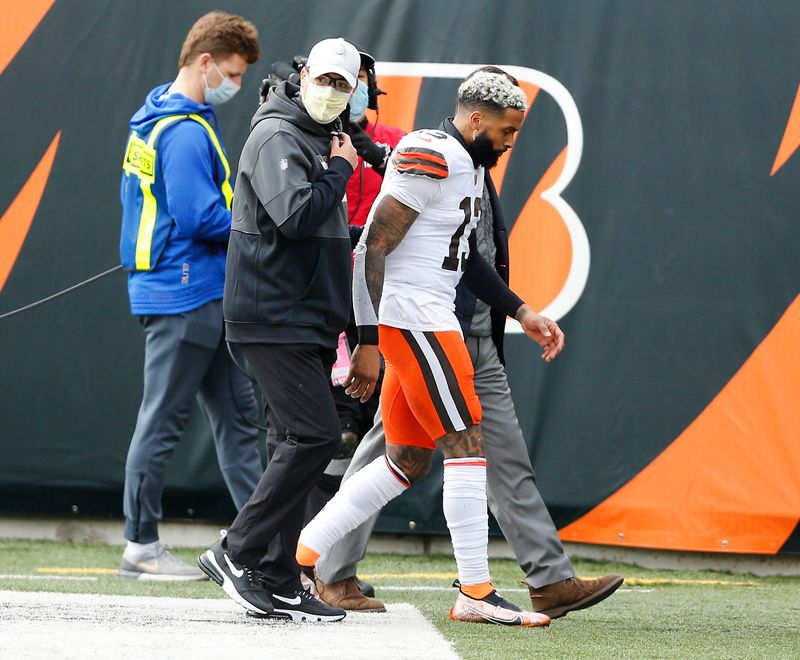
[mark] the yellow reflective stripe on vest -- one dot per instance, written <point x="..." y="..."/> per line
<point x="140" y="158"/>
<point x="227" y="191"/>
<point x="147" y="221"/>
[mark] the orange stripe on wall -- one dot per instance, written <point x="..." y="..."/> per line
<point x="404" y="94"/>
<point x="17" y="219"/>
<point x="498" y="172"/>
<point x="791" y="136"/>
<point x="540" y="246"/>
<point x="19" y="20"/>
<point x="731" y="480"/>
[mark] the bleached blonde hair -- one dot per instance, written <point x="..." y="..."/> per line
<point x="492" y="88"/>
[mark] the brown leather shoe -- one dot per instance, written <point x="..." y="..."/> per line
<point x="556" y="599"/>
<point x="348" y="596"/>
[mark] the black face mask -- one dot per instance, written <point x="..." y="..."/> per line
<point x="483" y="152"/>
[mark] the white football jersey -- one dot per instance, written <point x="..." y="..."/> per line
<point x="432" y="173"/>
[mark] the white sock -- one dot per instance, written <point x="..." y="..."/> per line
<point x="360" y="497"/>
<point x="139" y="548"/>
<point x="465" y="509"/>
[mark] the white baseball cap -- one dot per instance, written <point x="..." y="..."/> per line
<point x="334" y="56"/>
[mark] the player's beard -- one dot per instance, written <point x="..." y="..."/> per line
<point x="483" y="152"/>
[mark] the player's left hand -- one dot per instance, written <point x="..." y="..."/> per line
<point x="365" y="368"/>
<point x="543" y="331"/>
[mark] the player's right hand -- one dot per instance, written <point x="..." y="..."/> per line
<point x="365" y="369"/>
<point x="343" y="146"/>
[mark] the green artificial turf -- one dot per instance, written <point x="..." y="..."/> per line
<point x="657" y="614"/>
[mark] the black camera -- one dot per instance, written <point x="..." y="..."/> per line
<point x="280" y="71"/>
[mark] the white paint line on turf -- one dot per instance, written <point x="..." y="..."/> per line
<point x="48" y="577"/>
<point x="384" y="587"/>
<point x="87" y="626"/>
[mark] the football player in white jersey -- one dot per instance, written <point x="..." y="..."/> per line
<point x="412" y="254"/>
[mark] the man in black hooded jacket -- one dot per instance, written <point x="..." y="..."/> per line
<point x="287" y="298"/>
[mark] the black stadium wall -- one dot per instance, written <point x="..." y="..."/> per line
<point x="654" y="198"/>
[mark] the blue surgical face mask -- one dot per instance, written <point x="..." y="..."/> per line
<point x="359" y="101"/>
<point x="219" y="95"/>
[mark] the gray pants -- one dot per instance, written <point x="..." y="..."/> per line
<point x="185" y="357"/>
<point x="514" y="499"/>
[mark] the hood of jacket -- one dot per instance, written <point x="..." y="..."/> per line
<point x="157" y="106"/>
<point x="284" y="102"/>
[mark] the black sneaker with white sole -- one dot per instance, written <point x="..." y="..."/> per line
<point x="301" y="606"/>
<point x="241" y="583"/>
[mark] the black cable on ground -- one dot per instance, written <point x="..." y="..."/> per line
<point x="59" y="294"/>
<point x="114" y="270"/>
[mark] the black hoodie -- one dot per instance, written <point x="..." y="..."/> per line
<point x="287" y="277"/>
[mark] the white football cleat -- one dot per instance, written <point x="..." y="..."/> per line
<point x="494" y="609"/>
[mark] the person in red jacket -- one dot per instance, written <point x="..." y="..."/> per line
<point x="374" y="143"/>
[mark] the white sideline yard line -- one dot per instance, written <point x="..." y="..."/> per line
<point x="87" y="626"/>
<point x="48" y="577"/>
<point x="384" y="587"/>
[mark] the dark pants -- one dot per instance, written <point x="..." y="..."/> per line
<point x="295" y="383"/>
<point x="186" y="358"/>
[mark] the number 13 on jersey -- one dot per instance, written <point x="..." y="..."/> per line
<point x="471" y="208"/>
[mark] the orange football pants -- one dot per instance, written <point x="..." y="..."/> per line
<point x="428" y="387"/>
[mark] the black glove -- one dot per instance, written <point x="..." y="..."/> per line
<point x="374" y="154"/>
<point x="355" y="235"/>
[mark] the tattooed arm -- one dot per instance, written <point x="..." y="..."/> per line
<point x="390" y="223"/>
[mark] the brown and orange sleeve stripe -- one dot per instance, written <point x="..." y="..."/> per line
<point x="421" y="161"/>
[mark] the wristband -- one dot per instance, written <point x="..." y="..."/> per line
<point x="368" y="335"/>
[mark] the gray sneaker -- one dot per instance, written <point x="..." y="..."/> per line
<point x="158" y="564"/>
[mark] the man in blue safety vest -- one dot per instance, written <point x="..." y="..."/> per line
<point x="176" y="200"/>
